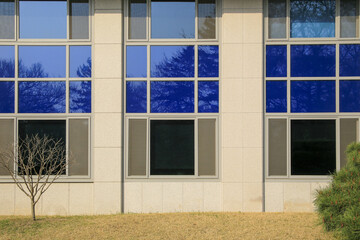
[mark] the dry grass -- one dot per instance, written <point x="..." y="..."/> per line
<point x="167" y="226"/>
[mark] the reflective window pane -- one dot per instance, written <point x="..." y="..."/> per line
<point x="312" y="18"/>
<point x="7" y="97"/>
<point x="6" y="140"/>
<point x="207" y="147"/>
<point x="172" y="147"/>
<point x="312" y="96"/>
<point x="208" y="96"/>
<point x="348" y="134"/>
<point x="173" y="19"/>
<point x="80" y="97"/>
<point x="350" y="60"/>
<point x="172" y="61"/>
<point x="42" y="61"/>
<point x="313" y="147"/>
<point x="137" y="19"/>
<point x="349" y="18"/>
<point x="79" y="19"/>
<point x="206" y="19"/>
<point x="276" y="64"/>
<point x="276" y="100"/>
<point x="7" y="61"/>
<point x="350" y="96"/>
<point x="42" y="97"/>
<point x="137" y="147"/>
<point x="313" y="60"/>
<point x="80" y="61"/>
<point x="136" y="61"/>
<point x="172" y="97"/>
<point x="43" y="19"/>
<point x="208" y="61"/>
<point x="277" y="18"/>
<point x="7" y="19"/>
<point x="136" y="95"/>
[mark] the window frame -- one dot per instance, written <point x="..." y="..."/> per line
<point x="287" y="27"/>
<point x="196" y="155"/>
<point x="64" y="177"/>
<point x="44" y="40"/>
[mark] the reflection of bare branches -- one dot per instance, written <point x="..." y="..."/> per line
<point x="7" y="68"/>
<point x="84" y="70"/>
<point x="35" y="70"/>
<point x="39" y="162"/>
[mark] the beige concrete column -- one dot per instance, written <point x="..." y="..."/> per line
<point x="242" y="105"/>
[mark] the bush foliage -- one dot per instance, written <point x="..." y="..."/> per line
<point x="339" y="204"/>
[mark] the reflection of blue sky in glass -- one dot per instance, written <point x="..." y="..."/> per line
<point x="350" y="60"/>
<point x="172" y="97"/>
<point x="276" y="64"/>
<point x="172" y="19"/>
<point x="312" y="96"/>
<point x="80" y="97"/>
<point x="172" y="61"/>
<point x="43" y="19"/>
<point x="350" y="96"/>
<point x="136" y="97"/>
<point x="42" y="97"/>
<point x="208" y="61"/>
<point x="276" y="100"/>
<point x="42" y="61"/>
<point x="7" y="61"/>
<point x="208" y="96"/>
<point x="80" y="61"/>
<point x="136" y="61"/>
<point x="7" y="93"/>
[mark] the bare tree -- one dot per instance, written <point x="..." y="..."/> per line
<point x="34" y="165"/>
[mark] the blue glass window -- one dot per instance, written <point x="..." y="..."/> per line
<point x="43" y="19"/>
<point x="313" y="60"/>
<point x="172" y="97"/>
<point x="7" y="97"/>
<point x="312" y="18"/>
<point x="349" y="96"/>
<point x="80" y="61"/>
<point x="136" y="61"/>
<point x="172" y="61"/>
<point x="276" y="65"/>
<point x="136" y="96"/>
<point x="173" y="19"/>
<point x="276" y="100"/>
<point x="80" y="97"/>
<point x="42" y="97"/>
<point x="7" y="61"/>
<point x="350" y="60"/>
<point x="208" y="61"/>
<point x="208" y="96"/>
<point x="312" y="96"/>
<point x="42" y="61"/>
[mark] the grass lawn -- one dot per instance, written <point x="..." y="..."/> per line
<point x="167" y="226"/>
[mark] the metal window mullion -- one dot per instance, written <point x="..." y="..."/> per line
<point x="196" y="70"/>
<point x="67" y="146"/>
<point x="337" y="147"/>
<point x="337" y="82"/>
<point x="288" y="80"/>
<point x="196" y="149"/>
<point x="288" y="149"/>
<point x="148" y="149"/>
<point x="148" y="82"/>
<point x="67" y="84"/>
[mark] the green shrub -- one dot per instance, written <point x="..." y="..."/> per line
<point x="339" y="204"/>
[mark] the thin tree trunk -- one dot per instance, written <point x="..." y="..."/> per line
<point x="33" y="209"/>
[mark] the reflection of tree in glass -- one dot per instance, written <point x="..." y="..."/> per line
<point x="84" y="70"/>
<point x="172" y="96"/>
<point x="207" y="14"/>
<point x="180" y="64"/>
<point x="41" y="97"/>
<point x="276" y="96"/>
<point x="7" y="90"/>
<point x="208" y="61"/>
<point x="312" y="18"/>
<point x="208" y="96"/>
<point x="35" y="70"/>
<point x="350" y="60"/>
<point x="7" y="68"/>
<point x="80" y="97"/>
<point x="136" y="96"/>
<point x="276" y="61"/>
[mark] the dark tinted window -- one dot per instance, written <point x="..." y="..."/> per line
<point x="7" y="19"/>
<point x="137" y="19"/>
<point x="79" y="19"/>
<point x="313" y="147"/>
<point x="172" y="147"/>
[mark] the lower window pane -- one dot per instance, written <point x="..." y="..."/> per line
<point x="53" y="129"/>
<point x="172" y="147"/>
<point x="313" y="147"/>
<point x="42" y="97"/>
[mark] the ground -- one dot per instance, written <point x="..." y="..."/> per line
<point x="167" y="226"/>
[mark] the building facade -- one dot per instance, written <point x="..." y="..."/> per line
<point x="181" y="106"/>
